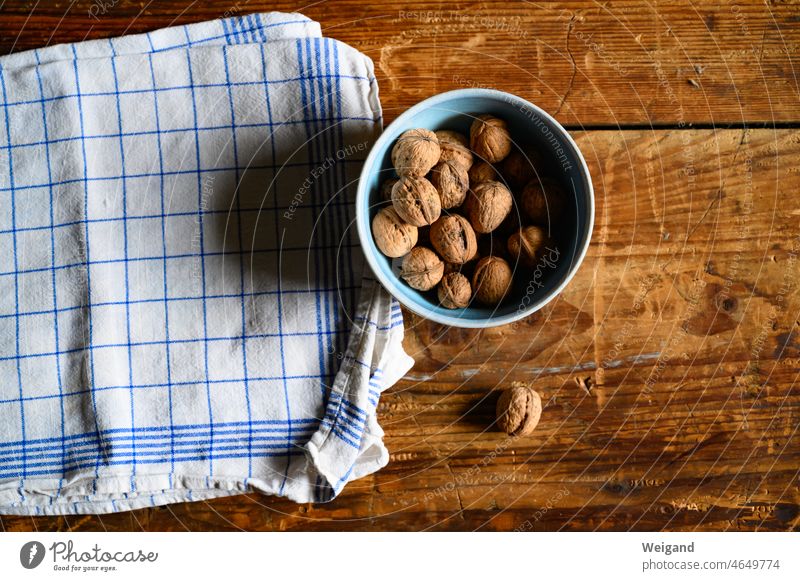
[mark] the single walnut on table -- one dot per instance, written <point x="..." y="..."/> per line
<point x="392" y="235"/>
<point x="416" y="200"/>
<point x="454" y="291"/>
<point x="489" y="138"/>
<point x="451" y="181"/>
<point x="422" y="269"/>
<point x="487" y="206"/>
<point x="491" y="280"/>
<point x="415" y="152"/>
<point x="454" y="239"/>
<point x="518" y="410"/>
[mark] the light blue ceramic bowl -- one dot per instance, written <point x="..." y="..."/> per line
<point x="529" y="125"/>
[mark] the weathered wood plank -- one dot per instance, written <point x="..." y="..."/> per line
<point x="672" y="62"/>
<point x="685" y="317"/>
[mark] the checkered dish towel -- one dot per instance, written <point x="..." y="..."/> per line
<point x="182" y="309"/>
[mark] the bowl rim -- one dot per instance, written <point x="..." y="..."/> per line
<point x="362" y="222"/>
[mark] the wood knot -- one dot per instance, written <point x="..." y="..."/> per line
<point x="727" y="303"/>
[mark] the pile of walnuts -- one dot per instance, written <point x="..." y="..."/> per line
<point x="462" y="211"/>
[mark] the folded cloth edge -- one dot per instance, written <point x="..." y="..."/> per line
<point x="375" y="357"/>
<point x="374" y="361"/>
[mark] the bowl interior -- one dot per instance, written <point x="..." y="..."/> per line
<point x="533" y="287"/>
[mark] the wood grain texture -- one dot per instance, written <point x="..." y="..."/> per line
<point x="589" y="63"/>
<point x="684" y="316"/>
<point x="668" y="367"/>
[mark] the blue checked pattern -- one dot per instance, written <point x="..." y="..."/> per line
<point x="183" y="313"/>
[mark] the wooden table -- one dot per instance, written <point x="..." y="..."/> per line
<point x="669" y="366"/>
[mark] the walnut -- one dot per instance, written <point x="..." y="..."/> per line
<point x="491" y="280"/>
<point x="518" y="410"/>
<point x="455" y="148"/>
<point x="525" y="245"/>
<point x="386" y="189"/>
<point x="422" y="269"/>
<point x="454" y="239"/>
<point x="489" y="138"/>
<point x="416" y="200"/>
<point x="487" y="206"/>
<point x="415" y="152"/>
<point x="520" y="167"/>
<point x="392" y="235"/>
<point x="451" y="181"/>
<point x="543" y="200"/>
<point x="482" y="171"/>
<point x="454" y="291"/>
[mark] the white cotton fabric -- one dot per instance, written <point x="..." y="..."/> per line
<point x="183" y="313"/>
